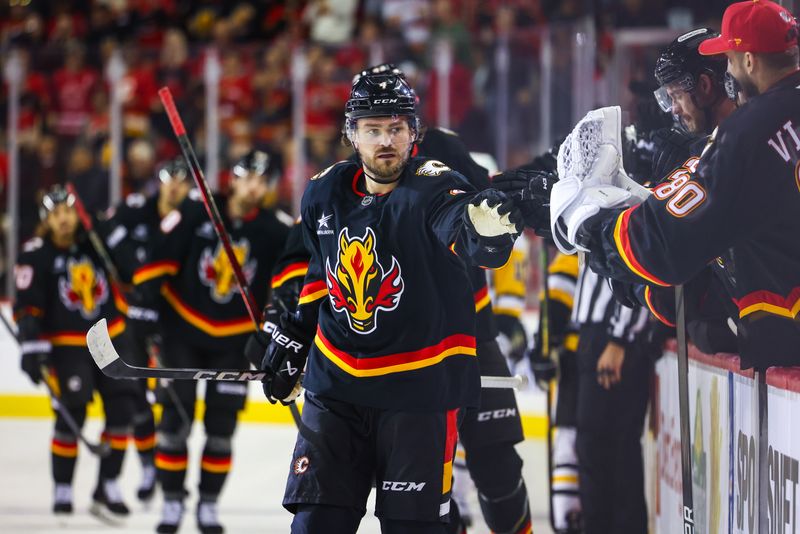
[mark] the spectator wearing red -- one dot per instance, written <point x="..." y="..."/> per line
<point x="72" y="89"/>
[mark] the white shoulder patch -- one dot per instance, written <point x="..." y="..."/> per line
<point x="170" y="221"/>
<point x="284" y="217"/>
<point x="448" y="131"/>
<point x="32" y="244"/>
<point x="135" y="200"/>
<point x="325" y="171"/>
<point x="432" y="167"/>
<point x="23" y="276"/>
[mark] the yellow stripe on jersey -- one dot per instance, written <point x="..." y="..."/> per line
<point x="564" y="264"/>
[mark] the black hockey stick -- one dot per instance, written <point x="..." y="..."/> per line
<point x="683" y="399"/>
<point x="109" y="361"/>
<point x="101" y="449"/>
<point x="213" y="213"/>
<point x="544" y="330"/>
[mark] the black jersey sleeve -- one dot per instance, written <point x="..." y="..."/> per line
<point x="314" y="288"/>
<point x="657" y="242"/>
<point x="290" y="270"/>
<point x="31" y="301"/>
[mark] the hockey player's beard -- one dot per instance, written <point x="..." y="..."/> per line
<point x="381" y="173"/>
<point x="749" y="89"/>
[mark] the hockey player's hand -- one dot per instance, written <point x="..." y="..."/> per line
<point x="512" y="338"/>
<point x="544" y="369"/>
<point x="530" y="190"/>
<point x="258" y="342"/>
<point x="284" y="361"/>
<point x="671" y="148"/>
<point x="286" y="295"/>
<point x="609" y="366"/>
<point x="492" y="214"/>
<point x="32" y="364"/>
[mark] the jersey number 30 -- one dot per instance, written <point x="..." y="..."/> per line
<point x="684" y="195"/>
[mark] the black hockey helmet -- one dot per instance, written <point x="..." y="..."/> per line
<point x="382" y="68"/>
<point x="680" y="65"/>
<point x="173" y="170"/>
<point x="57" y="194"/>
<point x="256" y="162"/>
<point x="383" y="94"/>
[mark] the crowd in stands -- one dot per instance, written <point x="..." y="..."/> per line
<point x="65" y="48"/>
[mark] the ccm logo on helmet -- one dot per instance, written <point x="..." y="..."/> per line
<point x="284" y="341"/>
<point x="388" y="485"/>
<point x="384" y="101"/>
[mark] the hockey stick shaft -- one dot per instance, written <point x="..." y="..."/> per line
<point x="109" y="361"/>
<point x="544" y="331"/>
<point x="101" y="449"/>
<point x="683" y="401"/>
<point x="211" y="208"/>
<point x="208" y="201"/>
<point x="94" y="238"/>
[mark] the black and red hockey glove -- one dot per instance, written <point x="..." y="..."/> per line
<point x="530" y="190"/>
<point x="285" y="360"/>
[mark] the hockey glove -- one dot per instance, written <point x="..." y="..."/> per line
<point x="544" y="369"/>
<point x="591" y="177"/>
<point x="258" y="342"/>
<point x="491" y="214"/>
<point x="671" y="149"/>
<point x="513" y="339"/>
<point x="32" y="364"/>
<point x="284" y="361"/>
<point x="530" y="190"/>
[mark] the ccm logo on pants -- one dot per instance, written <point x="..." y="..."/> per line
<point x="388" y="485"/>
<point x="497" y="414"/>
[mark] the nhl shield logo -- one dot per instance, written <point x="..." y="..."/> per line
<point x="359" y="286"/>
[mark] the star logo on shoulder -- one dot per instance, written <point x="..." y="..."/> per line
<point x="322" y="222"/>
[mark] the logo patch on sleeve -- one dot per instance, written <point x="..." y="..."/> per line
<point x="432" y="168"/>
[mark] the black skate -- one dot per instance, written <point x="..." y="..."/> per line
<point x="207" y="521"/>
<point x="171" y="515"/>
<point x="107" y="505"/>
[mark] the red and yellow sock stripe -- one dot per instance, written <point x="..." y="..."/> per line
<point x="171" y="462"/>
<point x="65" y="449"/>
<point x="216" y="464"/>
<point x="118" y="442"/>
<point x="145" y="443"/>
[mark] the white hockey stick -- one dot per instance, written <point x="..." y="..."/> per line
<point x="108" y="360"/>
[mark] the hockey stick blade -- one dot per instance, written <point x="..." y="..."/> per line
<point x="111" y="364"/>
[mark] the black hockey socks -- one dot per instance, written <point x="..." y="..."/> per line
<point x="508" y="513"/>
<point x="63" y="453"/>
<point x="145" y="438"/>
<point x="117" y="438"/>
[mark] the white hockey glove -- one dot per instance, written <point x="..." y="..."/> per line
<point x="592" y="176"/>
<point x="492" y="214"/>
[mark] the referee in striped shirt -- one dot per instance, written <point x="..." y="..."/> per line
<point x="613" y="384"/>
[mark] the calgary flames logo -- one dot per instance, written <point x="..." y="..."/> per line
<point x="83" y="289"/>
<point x="217" y="273"/>
<point x="359" y="286"/>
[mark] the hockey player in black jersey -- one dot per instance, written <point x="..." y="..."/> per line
<point x="488" y="441"/>
<point x="389" y="307"/>
<point x="130" y="232"/>
<point x="204" y="323"/>
<point x="62" y="290"/>
<point x="741" y="196"/>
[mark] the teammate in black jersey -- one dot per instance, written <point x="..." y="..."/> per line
<point x="204" y="323"/>
<point x="389" y="306"/>
<point x="130" y="232"/>
<point x="62" y="290"/>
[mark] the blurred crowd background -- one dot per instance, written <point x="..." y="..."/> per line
<point x="509" y="76"/>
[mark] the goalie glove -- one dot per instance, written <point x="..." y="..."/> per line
<point x="491" y="214"/>
<point x="591" y="177"/>
<point x="530" y="190"/>
<point x="284" y="361"/>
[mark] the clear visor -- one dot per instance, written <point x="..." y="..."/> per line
<point x="664" y="94"/>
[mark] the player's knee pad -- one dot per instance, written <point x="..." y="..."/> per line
<point x="495" y="468"/>
<point x="172" y="440"/>
<point x="315" y="518"/>
<point x="218" y="445"/>
<point x="142" y="417"/>
<point x="77" y="413"/>
<point x="220" y="421"/>
<point x="119" y="410"/>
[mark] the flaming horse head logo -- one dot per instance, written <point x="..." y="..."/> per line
<point x="83" y="289"/>
<point x="217" y="273"/>
<point x="359" y="285"/>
